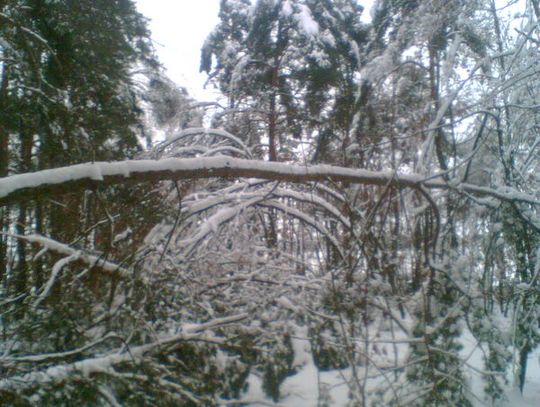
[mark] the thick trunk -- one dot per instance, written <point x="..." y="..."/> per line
<point x="75" y="178"/>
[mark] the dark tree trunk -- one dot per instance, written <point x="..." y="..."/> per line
<point x="38" y="267"/>
<point x="523" y="356"/>
<point x="4" y="168"/>
<point x="21" y="276"/>
<point x="272" y="130"/>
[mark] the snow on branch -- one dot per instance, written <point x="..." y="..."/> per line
<point x="47" y="357"/>
<point x="79" y="255"/>
<point x="107" y="363"/>
<point x="206" y="132"/>
<point x="55" y="273"/>
<point x="38" y="184"/>
<point x="212" y="224"/>
<point x="67" y="179"/>
<point x="197" y="205"/>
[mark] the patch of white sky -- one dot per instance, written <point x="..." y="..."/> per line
<point x="179" y="29"/>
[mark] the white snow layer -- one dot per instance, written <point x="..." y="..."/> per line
<point x="306" y="21"/>
<point x="98" y="170"/>
<point x="177" y="168"/>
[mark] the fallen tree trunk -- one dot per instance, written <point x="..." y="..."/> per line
<point x="24" y="187"/>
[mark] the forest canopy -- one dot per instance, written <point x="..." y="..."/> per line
<point x="361" y="203"/>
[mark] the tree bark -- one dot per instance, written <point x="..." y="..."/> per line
<point x="21" y="271"/>
<point x="523" y="356"/>
<point x="4" y="170"/>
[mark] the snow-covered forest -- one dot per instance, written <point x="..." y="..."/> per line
<point x="355" y="222"/>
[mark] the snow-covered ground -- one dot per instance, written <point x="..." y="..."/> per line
<point x="531" y="393"/>
<point x="303" y="388"/>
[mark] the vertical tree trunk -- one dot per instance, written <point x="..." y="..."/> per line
<point x="272" y="128"/>
<point x="21" y="272"/>
<point x="38" y="267"/>
<point x="4" y="167"/>
<point x="440" y="140"/>
<point x="523" y="356"/>
<point x="272" y="149"/>
<point x="536" y="8"/>
<point x="21" y="276"/>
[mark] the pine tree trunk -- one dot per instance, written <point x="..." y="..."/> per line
<point x="4" y="167"/>
<point x="272" y="130"/>
<point x="21" y="276"/>
<point x="38" y="266"/>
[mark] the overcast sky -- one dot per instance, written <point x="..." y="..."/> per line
<point x="179" y="28"/>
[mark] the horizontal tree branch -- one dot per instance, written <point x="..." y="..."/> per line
<point x="40" y="184"/>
